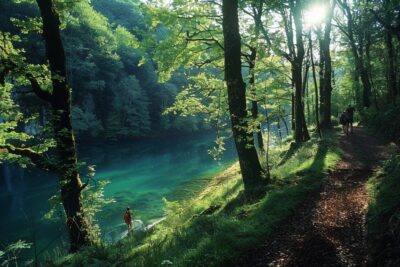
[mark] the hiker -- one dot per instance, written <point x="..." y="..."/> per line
<point x="128" y="218"/>
<point x="343" y="119"/>
<point x="350" y="113"/>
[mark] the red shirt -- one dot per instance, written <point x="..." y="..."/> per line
<point x="127" y="217"/>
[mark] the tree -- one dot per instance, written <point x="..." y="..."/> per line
<point x="326" y="77"/>
<point x="352" y="31"/>
<point x="383" y="13"/>
<point x="59" y="98"/>
<point x="296" y="7"/>
<point x="294" y="53"/>
<point x="248" y="159"/>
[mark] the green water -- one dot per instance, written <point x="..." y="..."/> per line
<point x="141" y="174"/>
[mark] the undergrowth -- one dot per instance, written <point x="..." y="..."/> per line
<point x="217" y="226"/>
<point x="383" y="218"/>
<point x="385" y="122"/>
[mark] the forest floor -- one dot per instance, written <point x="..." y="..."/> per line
<point x="329" y="229"/>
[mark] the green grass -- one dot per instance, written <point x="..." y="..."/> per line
<point x="189" y="238"/>
<point x="383" y="218"/>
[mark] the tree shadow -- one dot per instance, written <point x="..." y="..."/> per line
<point x="319" y="159"/>
<point x="294" y="147"/>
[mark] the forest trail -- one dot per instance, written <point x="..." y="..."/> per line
<point x="329" y="228"/>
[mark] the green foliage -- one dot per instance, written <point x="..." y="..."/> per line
<point x="128" y="113"/>
<point x="94" y="202"/>
<point x="9" y="255"/>
<point x="102" y="50"/>
<point x="12" y="120"/>
<point x="86" y="122"/>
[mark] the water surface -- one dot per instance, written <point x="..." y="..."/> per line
<point x="141" y="174"/>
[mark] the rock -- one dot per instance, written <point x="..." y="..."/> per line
<point x="138" y="225"/>
<point x="152" y="225"/>
<point x="166" y="262"/>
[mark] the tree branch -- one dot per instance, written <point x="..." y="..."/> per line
<point x="36" y="158"/>
<point x="45" y="95"/>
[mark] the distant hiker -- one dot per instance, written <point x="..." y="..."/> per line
<point x="128" y="218"/>
<point x="350" y="114"/>
<point x="343" y="119"/>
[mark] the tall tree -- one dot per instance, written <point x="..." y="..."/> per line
<point x="59" y="98"/>
<point x="301" y="132"/>
<point x="327" y="69"/>
<point x="253" y="46"/>
<point x="355" y="39"/>
<point x="386" y="15"/>
<point x="291" y="13"/>
<point x="248" y="159"/>
<point x="317" y="123"/>
<point x="60" y="101"/>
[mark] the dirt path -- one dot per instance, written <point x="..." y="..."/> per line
<point x="329" y="229"/>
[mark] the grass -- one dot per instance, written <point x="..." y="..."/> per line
<point x="216" y="227"/>
<point x="383" y="218"/>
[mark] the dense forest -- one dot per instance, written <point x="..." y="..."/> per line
<point x="282" y="81"/>
<point x="118" y="96"/>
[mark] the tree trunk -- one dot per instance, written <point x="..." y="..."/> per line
<point x="327" y="84"/>
<point x="60" y="101"/>
<point x="366" y="87"/>
<point x="321" y="72"/>
<point x="279" y="130"/>
<point x="308" y="103"/>
<point x="369" y="68"/>
<point x="391" y="68"/>
<point x="301" y="131"/>
<point x="247" y="154"/>
<point x="318" y="128"/>
<point x="254" y="102"/>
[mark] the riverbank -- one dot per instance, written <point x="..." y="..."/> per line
<point x="216" y="227"/>
<point x="140" y="175"/>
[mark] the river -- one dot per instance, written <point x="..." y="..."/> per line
<point x="141" y="173"/>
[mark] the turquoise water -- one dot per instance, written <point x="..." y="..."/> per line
<point x="141" y="174"/>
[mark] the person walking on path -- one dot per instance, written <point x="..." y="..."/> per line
<point x="128" y="218"/>
<point x="350" y="113"/>
<point x="343" y="121"/>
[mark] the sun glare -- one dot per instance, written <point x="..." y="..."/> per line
<point x="315" y="15"/>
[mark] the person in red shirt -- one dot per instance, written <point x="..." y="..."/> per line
<point x="128" y="218"/>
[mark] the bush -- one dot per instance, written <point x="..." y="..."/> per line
<point x="385" y="122"/>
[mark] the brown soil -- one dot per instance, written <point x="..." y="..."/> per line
<point x="329" y="228"/>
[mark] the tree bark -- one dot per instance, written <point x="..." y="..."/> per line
<point x="321" y="72"/>
<point x="70" y="182"/>
<point x="247" y="154"/>
<point x="391" y="68"/>
<point x="327" y="84"/>
<point x="254" y="102"/>
<point x="317" y="123"/>
<point x="301" y="131"/>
